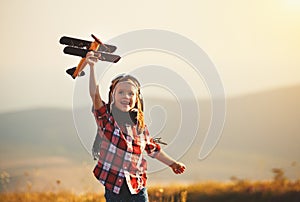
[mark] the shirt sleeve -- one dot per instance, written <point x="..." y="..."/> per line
<point x="104" y="119"/>
<point x="152" y="148"/>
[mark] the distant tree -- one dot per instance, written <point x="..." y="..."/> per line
<point x="278" y="175"/>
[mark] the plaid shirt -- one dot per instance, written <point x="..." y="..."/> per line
<point x="121" y="155"/>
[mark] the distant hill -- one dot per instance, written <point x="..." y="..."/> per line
<point x="261" y="132"/>
<point x="40" y="148"/>
<point x="38" y="132"/>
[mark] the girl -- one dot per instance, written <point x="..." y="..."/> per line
<point x="122" y="136"/>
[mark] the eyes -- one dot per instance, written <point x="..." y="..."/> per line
<point x="126" y="90"/>
<point x="126" y="93"/>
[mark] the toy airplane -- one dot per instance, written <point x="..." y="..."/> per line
<point x="79" y="47"/>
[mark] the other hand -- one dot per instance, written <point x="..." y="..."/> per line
<point x="178" y="168"/>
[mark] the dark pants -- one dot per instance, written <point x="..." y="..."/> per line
<point x="126" y="196"/>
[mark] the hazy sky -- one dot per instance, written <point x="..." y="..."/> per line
<point x="254" y="44"/>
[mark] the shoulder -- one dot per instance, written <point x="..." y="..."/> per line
<point x="100" y="111"/>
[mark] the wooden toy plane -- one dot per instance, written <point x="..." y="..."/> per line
<point x="79" y="47"/>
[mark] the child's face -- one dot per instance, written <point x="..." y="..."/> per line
<point x="125" y="96"/>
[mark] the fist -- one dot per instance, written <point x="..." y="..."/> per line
<point x="91" y="58"/>
<point x="178" y="168"/>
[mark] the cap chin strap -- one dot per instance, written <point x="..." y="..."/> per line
<point x="123" y="118"/>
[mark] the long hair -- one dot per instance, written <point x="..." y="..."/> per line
<point x="139" y="105"/>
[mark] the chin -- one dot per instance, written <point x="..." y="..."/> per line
<point x="124" y="109"/>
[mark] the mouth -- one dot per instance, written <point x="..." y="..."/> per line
<point x="125" y="103"/>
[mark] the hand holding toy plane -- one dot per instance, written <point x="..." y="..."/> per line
<point x="79" y="47"/>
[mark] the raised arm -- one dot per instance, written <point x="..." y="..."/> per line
<point x="93" y="85"/>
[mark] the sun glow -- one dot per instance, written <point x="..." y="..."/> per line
<point x="292" y="3"/>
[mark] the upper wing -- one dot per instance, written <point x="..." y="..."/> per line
<point x="65" y="40"/>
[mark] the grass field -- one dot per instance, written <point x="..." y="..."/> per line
<point x="237" y="191"/>
<point x="280" y="189"/>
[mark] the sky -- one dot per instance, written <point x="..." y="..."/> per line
<point x="254" y="44"/>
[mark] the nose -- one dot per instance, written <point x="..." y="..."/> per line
<point x="127" y="95"/>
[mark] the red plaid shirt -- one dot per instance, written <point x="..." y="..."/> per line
<point x="121" y="155"/>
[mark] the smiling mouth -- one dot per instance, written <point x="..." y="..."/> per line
<point x="125" y="103"/>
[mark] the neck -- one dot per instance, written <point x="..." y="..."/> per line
<point x="123" y="118"/>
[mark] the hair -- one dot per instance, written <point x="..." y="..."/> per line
<point x="139" y="105"/>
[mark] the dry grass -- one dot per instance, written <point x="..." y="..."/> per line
<point x="51" y="197"/>
<point x="279" y="189"/>
<point x="238" y="190"/>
